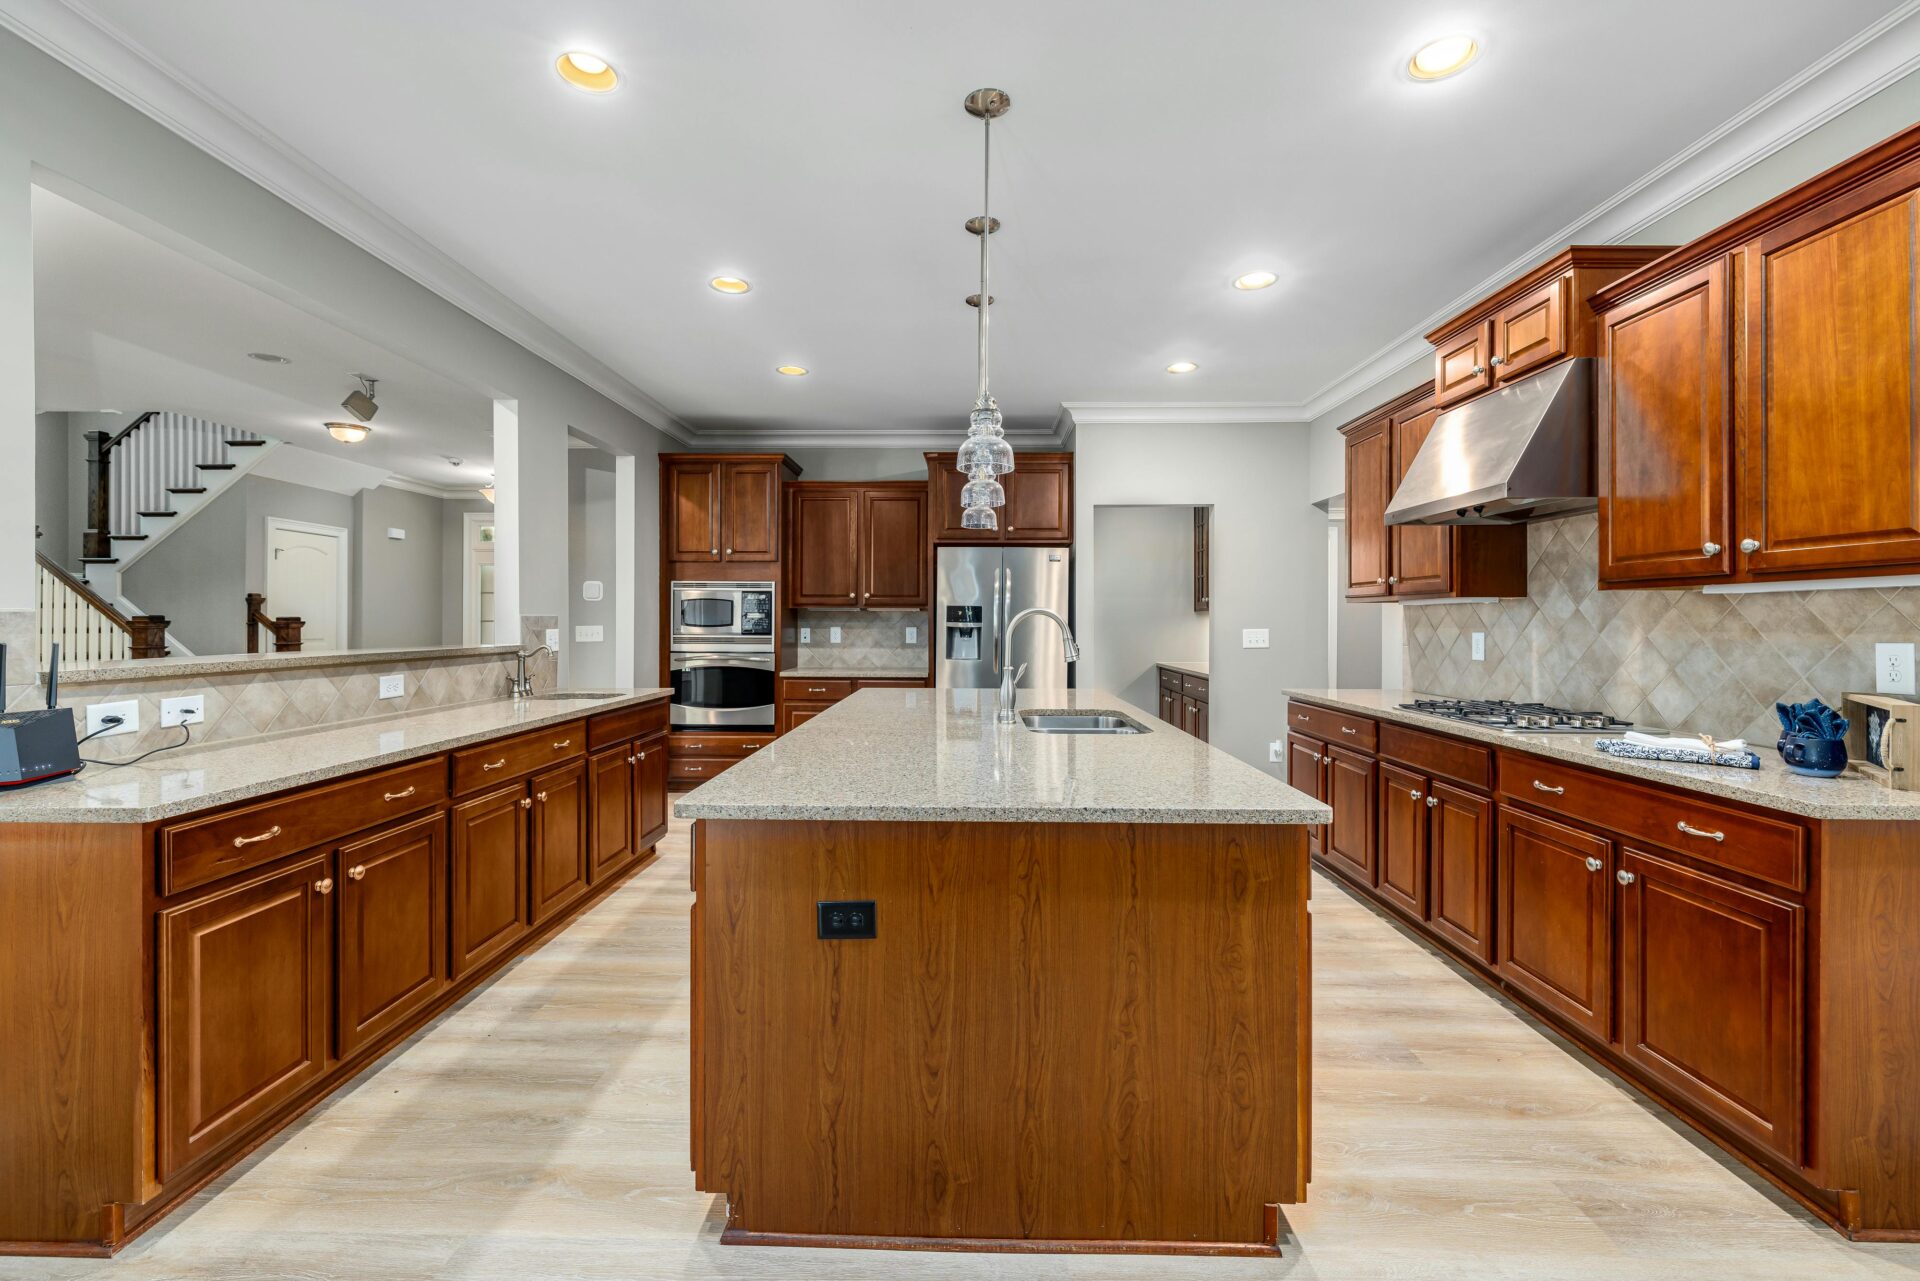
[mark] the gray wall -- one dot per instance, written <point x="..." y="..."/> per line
<point x="396" y="582"/>
<point x="590" y="555"/>
<point x="1145" y="598"/>
<point x="197" y="575"/>
<point x="1269" y="557"/>
<point x="866" y="463"/>
<point x="50" y="488"/>
<point x="1357" y="653"/>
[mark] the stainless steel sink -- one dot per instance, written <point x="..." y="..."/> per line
<point x="1090" y="722"/>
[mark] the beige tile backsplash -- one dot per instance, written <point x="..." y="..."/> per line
<point x="869" y="640"/>
<point x="1676" y="659"/>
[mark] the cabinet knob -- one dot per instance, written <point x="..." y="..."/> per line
<point x="729" y="551"/>
<point x="643" y="756"/>
<point x="1414" y="793"/>
<point x="1478" y="370"/>
<point x="1709" y="549"/>
<point x="1432" y="801"/>
<point x="1393" y="578"/>
<point x="1497" y="361"/>
<point x="323" y="886"/>
<point x="540" y="796"/>
<point x="526" y="802"/>
<point x="633" y="760"/>
<point x="357" y="872"/>
<point x="1593" y="864"/>
<point x="850" y="596"/>
<point x="1379" y="580"/>
<point x="713" y="551"/>
<point x="1749" y="545"/>
<point x="1623" y="876"/>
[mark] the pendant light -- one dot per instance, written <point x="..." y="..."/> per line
<point x="985" y="455"/>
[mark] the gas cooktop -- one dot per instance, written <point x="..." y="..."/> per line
<point x="1516" y="718"/>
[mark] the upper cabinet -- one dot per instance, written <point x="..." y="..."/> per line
<point x="855" y="546"/>
<point x="722" y="508"/>
<point x="1759" y="417"/>
<point x="1039" y="507"/>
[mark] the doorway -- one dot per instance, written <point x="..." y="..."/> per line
<point x="476" y="575"/>
<point x="307" y="578"/>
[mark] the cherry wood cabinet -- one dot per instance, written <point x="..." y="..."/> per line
<point x="1202" y="560"/>
<point x="1463" y="364"/>
<point x="244" y="981"/>
<point x="557" y="859"/>
<point x="858" y="546"/>
<point x="392" y="941"/>
<point x="1349" y="841"/>
<point x="722" y="508"/>
<point x="1460" y="868"/>
<point x="489" y="875"/>
<point x="1370" y="479"/>
<point x="1307" y="772"/>
<point x="1403" y="840"/>
<point x="1556" y="918"/>
<point x="750" y="510"/>
<point x="650" y="790"/>
<point x="1039" y="507"/>
<point x="1532" y="330"/>
<point x="1420" y="557"/>
<point x="894" y="567"/>
<point x="612" y="809"/>
<point x="690" y="507"/>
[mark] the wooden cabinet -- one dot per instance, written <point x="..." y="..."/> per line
<point x="1531" y="330"/>
<point x="488" y="885"/>
<point x="1202" y="560"/>
<point x="1420" y="557"/>
<point x="392" y="940"/>
<point x="650" y="790"/>
<point x="1370" y="479"/>
<point x="858" y="546"/>
<point x="1460" y="868"/>
<point x="1403" y="840"/>
<point x="894" y="566"/>
<point x="1307" y="772"/>
<point x="794" y="715"/>
<point x="1349" y="843"/>
<point x="1039" y="507"/>
<point x="696" y="755"/>
<point x="823" y="564"/>
<point x="722" y="508"/>
<point x="690" y="508"/>
<point x="1709" y="996"/>
<point x="612" y="809"/>
<point x="1183" y="701"/>
<point x="750" y="510"/>
<point x="1555" y="918"/>
<point x="244" y="979"/>
<point x="1462" y="365"/>
<point x="558" y="853"/>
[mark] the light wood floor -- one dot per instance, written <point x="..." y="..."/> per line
<point x="540" y="1130"/>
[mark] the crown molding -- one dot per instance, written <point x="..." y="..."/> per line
<point x="454" y="493"/>
<point x="1088" y="413"/>
<point x="775" y="436"/>
<point x="89" y="44"/>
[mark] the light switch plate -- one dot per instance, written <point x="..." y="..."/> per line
<point x="1253" y="638"/>
<point x="1276" y="751"/>
<point x="833" y="635"/>
<point x="393" y="686"/>
<point x="1479" y="647"/>
<point x="1893" y="667"/>
<point x="586" y="635"/>
<point x="189" y="709"/>
<point x="553" y="639"/>
<point x="913" y="635"/>
<point x="397" y="535"/>
<point x="97" y="713"/>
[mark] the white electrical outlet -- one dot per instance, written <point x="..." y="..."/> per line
<point x="553" y="639"/>
<point x="587" y="635"/>
<point x="188" y="710"/>
<point x="913" y="635"/>
<point x="1253" y="638"/>
<point x="1479" y="647"/>
<point x="833" y="635"/>
<point x="97" y="713"/>
<point x="396" y="534"/>
<point x="806" y="635"/>
<point x="1893" y="667"/>
<point x="1276" y="750"/>
<point x="393" y="686"/>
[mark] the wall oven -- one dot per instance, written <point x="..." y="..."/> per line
<point x="721" y="616"/>
<point x="722" y="690"/>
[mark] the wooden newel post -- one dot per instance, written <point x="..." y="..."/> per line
<point x="286" y="635"/>
<point x="255" y="611"/>
<point x="148" y="635"/>
<point x="97" y="542"/>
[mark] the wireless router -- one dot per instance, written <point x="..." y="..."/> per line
<point x="37" y="745"/>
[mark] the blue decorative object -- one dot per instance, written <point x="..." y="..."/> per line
<point x="1681" y="756"/>
<point x="1814" y="738"/>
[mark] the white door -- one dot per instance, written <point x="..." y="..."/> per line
<point x="307" y="579"/>
<point x="477" y="579"/>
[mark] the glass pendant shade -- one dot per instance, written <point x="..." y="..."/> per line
<point x="984" y="422"/>
<point x="979" y="518"/>
<point x="983" y="491"/>
<point x="990" y="452"/>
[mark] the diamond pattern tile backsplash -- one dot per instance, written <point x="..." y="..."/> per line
<point x="869" y="640"/>
<point x="1681" y="660"/>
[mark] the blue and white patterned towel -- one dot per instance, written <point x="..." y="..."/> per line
<point x="1680" y="755"/>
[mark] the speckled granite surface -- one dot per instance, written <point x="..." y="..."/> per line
<point x="860" y="674"/>
<point x="196" y="778"/>
<point x="926" y="755"/>
<point x="1192" y="667"/>
<point x="1772" y="785"/>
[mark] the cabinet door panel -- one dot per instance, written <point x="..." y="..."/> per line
<point x="243" y="988"/>
<point x="825" y="557"/>
<point x="1304" y="774"/>
<point x="893" y="549"/>
<point x="1403" y="840"/>
<point x="1369" y="481"/>
<point x="1460" y="863"/>
<point x="1422" y="555"/>
<point x="795" y="714"/>
<point x="1039" y="502"/>
<point x="693" y="511"/>
<point x="1199" y="728"/>
<point x="1666" y="434"/>
<point x="1461" y="365"/>
<point x="1708" y="1005"/>
<point x="611" y="811"/>
<point x="750" y="511"/>
<point x="489" y="884"/>
<point x="1831" y="457"/>
<point x="1556" y="941"/>
<point x="393" y="929"/>
<point x="1532" y="330"/>
<point x="1350" y="840"/>
<point x="650" y="790"/>
<point x="558" y="859"/>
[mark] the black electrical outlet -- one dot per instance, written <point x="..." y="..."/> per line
<point x="852" y="919"/>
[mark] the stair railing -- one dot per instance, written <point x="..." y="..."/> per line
<point x="97" y="544"/>
<point x="88" y="629"/>
<point x="285" y="631"/>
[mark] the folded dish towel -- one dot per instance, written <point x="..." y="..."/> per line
<point x="1686" y="742"/>
<point x="1685" y="751"/>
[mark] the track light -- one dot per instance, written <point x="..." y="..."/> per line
<point x="360" y="403"/>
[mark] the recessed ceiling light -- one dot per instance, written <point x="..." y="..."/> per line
<point x="1254" y="280"/>
<point x="729" y="284"/>
<point x="586" y="71"/>
<point x="1182" y="367"/>
<point x="349" y="433"/>
<point x="791" y="371"/>
<point x="1438" y="59"/>
<point x="267" y="357"/>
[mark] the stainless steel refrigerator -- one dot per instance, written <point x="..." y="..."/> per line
<point x="977" y="590"/>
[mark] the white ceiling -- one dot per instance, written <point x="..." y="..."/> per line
<point x="1154" y="151"/>
<point x="123" y="322"/>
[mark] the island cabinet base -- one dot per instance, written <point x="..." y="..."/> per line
<point x="1066" y="1037"/>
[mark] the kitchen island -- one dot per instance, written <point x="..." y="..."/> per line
<point x="964" y="985"/>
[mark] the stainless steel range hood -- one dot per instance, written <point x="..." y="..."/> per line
<point x="1522" y="453"/>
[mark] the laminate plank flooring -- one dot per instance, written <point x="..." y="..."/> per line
<point x="539" y="1130"/>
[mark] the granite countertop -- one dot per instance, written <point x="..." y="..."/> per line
<point x="936" y="755"/>
<point x="859" y="673"/>
<point x="198" y="778"/>
<point x="1772" y="786"/>
<point x="1191" y="666"/>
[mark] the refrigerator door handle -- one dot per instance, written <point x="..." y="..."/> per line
<point x="998" y="657"/>
<point x="1006" y="620"/>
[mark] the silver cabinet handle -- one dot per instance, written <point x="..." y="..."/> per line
<point x="1348" y="729"/>
<point x="540" y="796"/>
<point x="1709" y="549"/>
<point x="526" y="802"/>
<point x="1623" y="876"/>
<point x="1538" y="786"/>
<point x="565" y="742"/>
<point x="1478" y="370"/>
<point x="693" y="769"/>
<point x="496" y="765"/>
<point x="1432" y="801"/>
<point x="729" y="551"/>
<point x="358" y="872"/>
<point x="1497" y="360"/>
<point x="1414" y="793"/>
<point x="398" y="796"/>
<point x="1749" y="544"/>
<point x="1593" y="864"/>
<point x="324" y="885"/>
<point x="633" y="760"/>
<point x="1691" y="830"/>
<point x="1300" y="716"/>
<point x="267" y="835"/>
<point x="816" y="689"/>
<point x="1392" y="578"/>
<point x="849" y="595"/>
<point x="1379" y="580"/>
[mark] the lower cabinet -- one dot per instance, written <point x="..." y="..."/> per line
<point x="1460" y="868"/>
<point x="1403" y="840"/>
<point x="489" y="881"/>
<point x="244" y="979"/>
<point x="392" y="936"/>
<point x="1709" y="995"/>
<point x="627" y="804"/>
<point x="1556" y="936"/>
<point x="557" y="861"/>
<point x="1349" y="840"/>
<point x="1307" y="772"/>
<point x="650" y="790"/>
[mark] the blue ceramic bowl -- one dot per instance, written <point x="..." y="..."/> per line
<point x="1818" y="757"/>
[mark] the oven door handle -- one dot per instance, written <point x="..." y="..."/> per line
<point x="680" y="662"/>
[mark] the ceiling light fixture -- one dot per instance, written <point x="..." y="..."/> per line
<point x="586" y="71"/>
<point x="1254" y="280"/>
<point x="486" y="490"/>
<point x="361" y="403"/>
<point x="985" y="455"/>
<point x="1182" y="367"/>
<point x="349" y="433"/>
<point x="1447" y="56"/>
<point x="791" y="371"/>
<point x="729" y="285"/>
<point x="268" y="358"/>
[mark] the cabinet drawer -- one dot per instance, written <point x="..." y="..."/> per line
<point x="1452" y="758"/>
<point x="1170" y="680"/>
<point x="626" y="724"/>
<point x="1337" y="728"/>
<point x="207" y="849"/>
<point x="698" y="769"/>
<point x="892" y="684"/>
<point x="490" y="763"/>
<point x="1769" y="849"/>
<point x="815" y="688"/>
<point x="731" y="747"/>
<point x="1194" y="686"/>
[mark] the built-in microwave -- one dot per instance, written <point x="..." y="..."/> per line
<point x="732" y="616"/>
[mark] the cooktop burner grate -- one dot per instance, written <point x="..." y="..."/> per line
<point x="1516" y="718"/>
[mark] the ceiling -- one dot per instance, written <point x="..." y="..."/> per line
<point x="820" y="151"/>
<point x="123" y="322"/>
